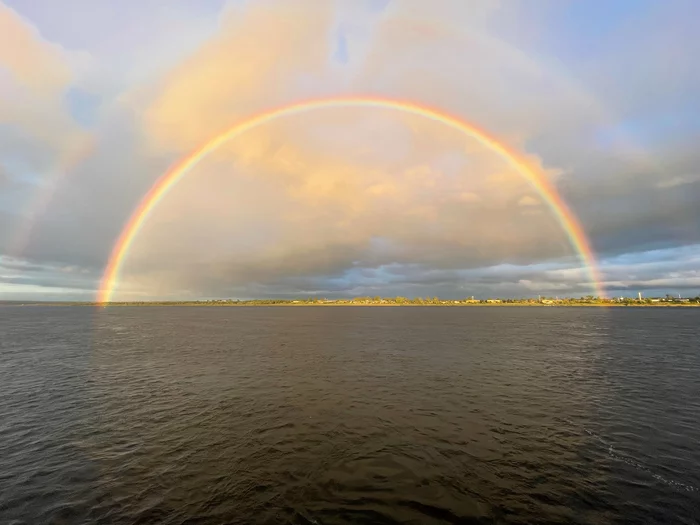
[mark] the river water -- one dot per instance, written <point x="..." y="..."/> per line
<point x="329" y="415"/>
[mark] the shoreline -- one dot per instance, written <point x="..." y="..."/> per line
<point x="349" y="304"/>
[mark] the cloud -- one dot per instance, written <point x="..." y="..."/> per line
<point x="5" y="178"/>
<point x="32" y="62"/>
<point x="34" y="75"/>
<point x="239" y="70"/>
<point x="24" y="280"/>
<point x="314" y="208"/>
<point x="350" y="200"/>
<point x="37" y="129"/>
<point x="529" y="201"/>
<point x="672" y="182"/>
<point x="343" y="177"/>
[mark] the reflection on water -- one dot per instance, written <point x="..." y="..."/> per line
<point x="347" y="415"/>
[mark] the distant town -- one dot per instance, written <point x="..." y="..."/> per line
<point x="668" y="300"/>
<point x="588" y="300"/>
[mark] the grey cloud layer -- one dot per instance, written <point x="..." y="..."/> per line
<point x="296" y="207"/>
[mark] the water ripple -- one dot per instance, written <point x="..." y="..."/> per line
<point x="342" y="415"/>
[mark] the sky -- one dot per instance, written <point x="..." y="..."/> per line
<point x="99" y="99"/>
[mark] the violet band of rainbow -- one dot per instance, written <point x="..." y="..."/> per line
<point x="542" y="185"/>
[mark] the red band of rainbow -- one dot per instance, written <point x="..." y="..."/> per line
<point x="168" y="180"/>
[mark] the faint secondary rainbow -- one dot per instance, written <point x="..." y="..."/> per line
<point x="45" y="192"/>
<point x="169" y="179"/>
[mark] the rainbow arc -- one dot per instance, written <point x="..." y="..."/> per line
<point x="537" y="179"/>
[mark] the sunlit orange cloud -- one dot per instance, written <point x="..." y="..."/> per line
<point x="205" y="95"/>
<point x="259" y="54"/>
<point x="537" y="179"/>
<point x="34" y="75"/>
<point x="33" y="62"/>
<point x="236" y="222"/>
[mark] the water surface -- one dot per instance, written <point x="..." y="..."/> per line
<point x="330" y="415"/>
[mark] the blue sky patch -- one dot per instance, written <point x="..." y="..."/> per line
<point x="83" y="106"/>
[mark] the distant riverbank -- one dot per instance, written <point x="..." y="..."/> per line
<point x="445" y="304"/>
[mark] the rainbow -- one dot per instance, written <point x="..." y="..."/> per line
<point x="169" y="179"/>
<point x="44" y="194"/>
